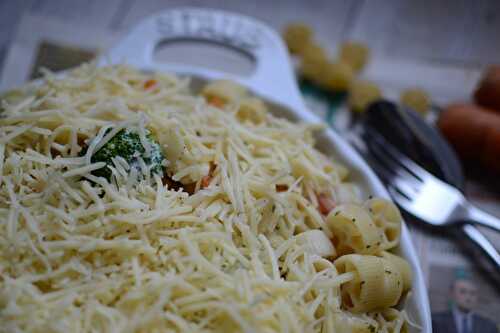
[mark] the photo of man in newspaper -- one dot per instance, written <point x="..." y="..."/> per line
<point x="463" y="309"/>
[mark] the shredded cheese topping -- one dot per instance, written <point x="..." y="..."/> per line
<point x="80" y="253"/>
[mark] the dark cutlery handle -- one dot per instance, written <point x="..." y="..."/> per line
<point x="488" y="256"/>
<point x="481" y="217"/>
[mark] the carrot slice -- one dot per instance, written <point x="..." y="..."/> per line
<point x="149" y="84"/>
<point x="216" y="101"/>
<point x="325" y="203"/>
<point x="205" y="181"/>
<point x="281" y="187"/>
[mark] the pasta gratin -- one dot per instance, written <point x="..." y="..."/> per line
<point x="128" y="203"/>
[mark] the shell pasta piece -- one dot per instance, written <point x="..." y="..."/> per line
<point x="353" y="230"/>
<point x="388" y="219"/>
<point x="316" y="242"/>
<point x="377" y="283"/>
<point x="349" y="322"/>
<point x="403" y="267"/>
<point x="393" y="321"/>
<point x="221" y="92"/>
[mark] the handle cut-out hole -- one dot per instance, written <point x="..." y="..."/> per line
<point x="206" y="54"/>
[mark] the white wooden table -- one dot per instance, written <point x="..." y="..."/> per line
<point x="444" y="31"/>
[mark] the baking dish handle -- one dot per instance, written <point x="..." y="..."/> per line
<point x="273" y="77"/>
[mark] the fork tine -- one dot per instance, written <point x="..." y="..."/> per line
<point x="391" y="176"/>
<point x="404" y="187"/>
<point x="395" y="155"/>
<point x="378" y="151"/>
<point x="382" y="171"/>
<point x="388" y="170"/>
<point x="402" y="200"/>
<point x="397" y="186"/>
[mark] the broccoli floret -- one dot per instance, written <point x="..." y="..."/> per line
<point x="127" y="144"/>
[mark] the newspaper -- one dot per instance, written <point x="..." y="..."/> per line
<point x="57" y="46"/>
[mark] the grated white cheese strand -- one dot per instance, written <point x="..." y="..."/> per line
<point x="142" y="135"/>
<point x="93" y="146"/>
<point x="18" y="131"/>
<point x="83" y="170"/>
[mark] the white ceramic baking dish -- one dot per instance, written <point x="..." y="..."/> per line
<point x="273" y="80"/>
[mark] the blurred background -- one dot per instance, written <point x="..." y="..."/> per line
<point x="444" y="31"/>
<point x="446" y="41"/>
<point x="422" y="54"/>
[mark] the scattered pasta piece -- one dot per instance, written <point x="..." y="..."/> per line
<point x="355" y="54"/>
<point x="361" y="94"/>
<point x="297" y="36"/>
<point x="313" y="63"/>
<point x="314" y="52"/>
<point x="416" y="99"/>
<point x="337" y="76"/>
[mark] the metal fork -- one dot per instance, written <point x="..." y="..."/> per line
<point x="424" y="196"/>
<point x="419" y="192"/>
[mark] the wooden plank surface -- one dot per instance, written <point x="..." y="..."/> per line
<point x="453" y="31"/>
<point x="456" y="31"/>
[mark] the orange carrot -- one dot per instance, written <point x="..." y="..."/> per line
<point x="216" y="101"/>
<point x="325" y="203"/>
<point x="281" y="187"/>
<point x="149" y="84"/>
<point x="205" y="181"/>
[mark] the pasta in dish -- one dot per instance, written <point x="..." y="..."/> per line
<point x="130" y="203"/>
